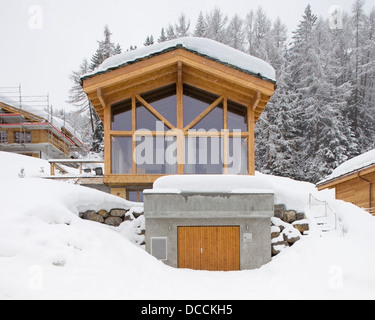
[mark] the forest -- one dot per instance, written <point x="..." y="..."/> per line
<point x="323" y="110"/>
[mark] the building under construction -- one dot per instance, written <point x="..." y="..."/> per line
<point x="28" y="127"/>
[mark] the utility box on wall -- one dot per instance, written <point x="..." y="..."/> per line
<point x="209" y="231"/>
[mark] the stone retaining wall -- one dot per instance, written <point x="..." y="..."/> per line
<point x="287" y="227"/>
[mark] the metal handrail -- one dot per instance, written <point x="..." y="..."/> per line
<point x="326" y="207"/>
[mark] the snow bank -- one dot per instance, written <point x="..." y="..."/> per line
<point x="48" y="252"/>
<point x="206" y="47"/>
<point x="293" y="194"/>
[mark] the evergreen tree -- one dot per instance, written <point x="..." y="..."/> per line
<point x="236" y="33"/>
<point x="163" y="36"/>
<point x="182" y="27"/>
<point x="149" y="41"/>
<point x="200" y="27"/>
<point x="216" y="26"/>
<point x="105" y="49"/>
<point x="77" y="97"/>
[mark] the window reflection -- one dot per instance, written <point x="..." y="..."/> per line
<point x="156" y="155"/>
<point x="122" y="162"/>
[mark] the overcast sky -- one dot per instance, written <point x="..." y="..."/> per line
<point x="42" y="41"/>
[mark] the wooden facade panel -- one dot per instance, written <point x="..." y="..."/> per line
<point x="209" y="248"/>
<point x="357" y="191"/>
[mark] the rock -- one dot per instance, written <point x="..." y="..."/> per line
<point x="279" y="211"/>
<point x="277" y="247"/>
<point x="92" y="216"/>
<point x="291" y="238"/>
<point x="103" y="213"/>
<point x="113" y="221"/>
<point x="300" y="216"/>
<point x="117" y="213"/>
<point x="290" y="216"/>
<point x="275" y="232"/>
<point x="301" y="225"/>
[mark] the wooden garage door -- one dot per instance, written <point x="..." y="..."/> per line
<point x="209" y="248"/>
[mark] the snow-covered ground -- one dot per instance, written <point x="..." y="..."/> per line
<point x="48" y="252"/>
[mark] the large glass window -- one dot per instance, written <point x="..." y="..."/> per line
<point x="237" y="156"/>
<point x="207" y="147"/>
<point x="122" y="160"/>
<point x="204" y="155"/>
<point x="156" y="155"/>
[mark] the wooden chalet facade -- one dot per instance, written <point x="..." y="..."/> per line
<point x="30" y="134"/>
<point x="181" y="96"/>
<point x="354" y="181"/>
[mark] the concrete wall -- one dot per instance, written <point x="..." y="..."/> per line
<point x="164" y="213"/>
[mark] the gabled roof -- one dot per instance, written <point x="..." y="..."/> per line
<point x="207" y="48"/>
<point x="348" y="170"/>
<point x="203" y="63"/>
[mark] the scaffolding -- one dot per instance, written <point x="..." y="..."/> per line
<point x="28" y="113"/>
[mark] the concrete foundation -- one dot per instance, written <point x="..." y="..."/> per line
<point x="165" y="212"/>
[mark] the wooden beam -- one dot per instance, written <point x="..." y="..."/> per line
<point x="255" y="101"/>
<point x="204" y="113"/>
<point x="101" y="98"/>
<point x="180" y="119"/>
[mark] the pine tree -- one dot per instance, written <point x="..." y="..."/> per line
<point x="216" y="26"/>
<point x="105" y="49"/>
<point x="236" y="33"/>
<point x="77" y="96"/>
<point x="200" y="27"/>
<point x="149" y="41"/>
<point x="163" y="36"/>
<point x="182" y="27"/>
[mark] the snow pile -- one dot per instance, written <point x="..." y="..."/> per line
<point x="293" y="194"/>
<point x="362" y="161"/>
<point x="206" y="47"/>
<point x="48" y="252"/>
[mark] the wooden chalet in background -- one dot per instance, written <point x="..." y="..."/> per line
<point x="354" y="181"/>
<point x="198" y="88"/>
<point x="35" y="134"/>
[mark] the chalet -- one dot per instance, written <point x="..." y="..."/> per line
<point x="354" y="181"/>
<point x="186" y="106"/>
<point x="35" y="134"/>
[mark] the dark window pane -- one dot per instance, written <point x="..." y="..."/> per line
<point x="195" y="102"/>
<point x="147" y="121"/>
<point x="122" y="116"/>
<point x="164" y="101"/>
<point x="132" y="195"/>
<point x="122" y="162"/>
<point x="214" y="120"/>
<point x="237" y="117"/>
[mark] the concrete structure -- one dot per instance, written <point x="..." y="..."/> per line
<point x="247" y="215"/>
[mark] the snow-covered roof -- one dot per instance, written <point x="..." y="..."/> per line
<point x="353" y="165"/>
<point x="221" y="184"/>
<point x="208" y="48"/>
